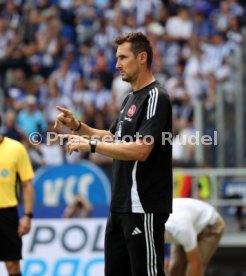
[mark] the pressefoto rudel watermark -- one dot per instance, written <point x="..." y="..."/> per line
<point x="192" y="139"/>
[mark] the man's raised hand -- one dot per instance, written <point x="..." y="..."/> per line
<point x="66" y="118"/>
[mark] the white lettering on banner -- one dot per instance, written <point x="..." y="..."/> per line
<point x="84" y="183"/>
<point x="69" y="188"/>
<point x="71" y="247"/>
<point x="53" y="190"/>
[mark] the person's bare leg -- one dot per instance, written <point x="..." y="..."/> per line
<point x="13" y="267"/>
<point x="208" y="240"/>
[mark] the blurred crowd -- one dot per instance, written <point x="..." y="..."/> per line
<point x="61" y="52"/>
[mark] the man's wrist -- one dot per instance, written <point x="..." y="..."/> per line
<point x="77" y="128"/>
<point x="28" y="214"/>
<point x="93" y="144"/>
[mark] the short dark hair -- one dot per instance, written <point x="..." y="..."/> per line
<point x="139" y="43"/>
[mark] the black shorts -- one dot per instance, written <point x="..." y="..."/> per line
<point x="10" y="242"/>
<point x="134" y="244"/>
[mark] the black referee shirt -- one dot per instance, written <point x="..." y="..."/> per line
<point x="144" y="187"/>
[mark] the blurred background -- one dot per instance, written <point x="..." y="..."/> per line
<point x="61" y="52"/>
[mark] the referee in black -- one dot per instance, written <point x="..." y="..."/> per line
<point x="142" y="169"/>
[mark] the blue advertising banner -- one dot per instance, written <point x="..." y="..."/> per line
<point x="56" y="187"/>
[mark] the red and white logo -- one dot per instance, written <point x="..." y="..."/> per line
<point x="131" y="110"/>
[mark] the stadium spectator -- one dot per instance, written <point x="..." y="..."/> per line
<point x="195" y="71"/>
<point x="79" y="208"/>
<point x="10" y="129"/>
<point x="202" y="28"/>
<point x="52" y="154"/>
<point x="102" y="97"/>
<point x="120" y="89"/>
<point x="222" y="17"/>
<point x="64" y="77"/>
<point x="30" y="119"/>
<point x="16" y="88"/>
<point x="55" y="98"/>
<point x="35" y="154"/>
<point x="102" y="71"/>
<point x="179" y="28"/>
<point x="12" y="14"/>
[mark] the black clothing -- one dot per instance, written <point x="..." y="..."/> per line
<point x="140" y="187"/>
<point x="10" y="242"/>
<point x="138" y="240"/>
<point x="141" y="191"/>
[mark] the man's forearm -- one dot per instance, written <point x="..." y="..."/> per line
<point x="125" y="151"/>
<point x="94" y="133"/>
<point x="28" y="196"/>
